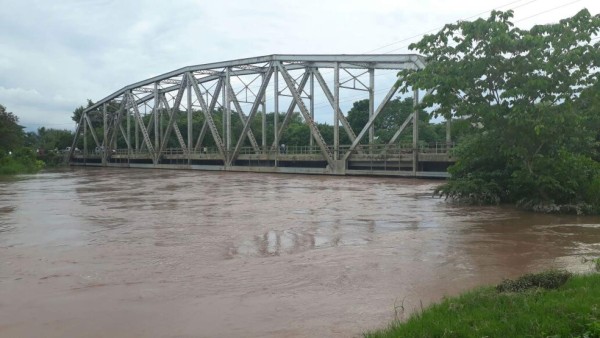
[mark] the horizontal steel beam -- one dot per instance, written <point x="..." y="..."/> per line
<point x="377" y="61"/>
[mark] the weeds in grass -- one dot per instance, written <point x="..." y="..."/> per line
<point x="399" y="315"/>
<point x="595" y="262"/>
<point x="548" y="280"/>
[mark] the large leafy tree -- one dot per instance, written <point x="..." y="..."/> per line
<point x="11" y="133"/>
<point x="79" y="111"/>
<point x="532" y="99"/>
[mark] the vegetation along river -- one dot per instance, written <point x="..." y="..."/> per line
<point x="159" y="253"/>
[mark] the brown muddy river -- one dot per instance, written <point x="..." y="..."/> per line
<point x="160" y="253"/>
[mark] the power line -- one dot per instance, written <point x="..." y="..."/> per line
<point x="549" y="10"/>
<point x="323" y="103"/>
<point x="440" y="27"/>
<point x="529" y="17"/>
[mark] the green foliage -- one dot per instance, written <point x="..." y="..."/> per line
<point x="79" y="111"/>
<point x="532" y="98"/>
<point x="597" y="264"/>
<point x="552" y="279"/>
<point x="15" y="159"/>
<point x="20" y="161"/>
<point x="11" y="133"/>
<point x="569" y="310"/>
<point x="50" y="139"/>
<point x="391" y="118"/>
<point x="562" y="182"/>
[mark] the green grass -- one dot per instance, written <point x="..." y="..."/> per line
<point x="571" y="310"/>
<point x="22" y="161"/>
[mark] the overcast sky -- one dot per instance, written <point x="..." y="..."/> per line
<point x="56" y="54"/>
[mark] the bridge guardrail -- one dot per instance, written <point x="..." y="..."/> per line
<point x="362" y="149"/>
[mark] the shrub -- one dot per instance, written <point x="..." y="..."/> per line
<point x="552" y="279"/>
<point x="20" y="161"/>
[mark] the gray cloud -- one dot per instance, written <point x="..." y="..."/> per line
<point x="56" y="54"/>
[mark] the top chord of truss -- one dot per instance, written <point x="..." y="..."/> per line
<point x="260" y="64"/>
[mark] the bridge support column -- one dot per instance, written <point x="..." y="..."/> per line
<point x="189" y="122"/>
<point x="157" y="128"/>
<point x="415" y="131"/>
<point x="276" y="112"/>
<point x="371" y="104"/>
<point x="336" y="117"/>
<point x="137" y="133"/>
<point x="224" y="118"/>
<point x="264" y="120"/>
<point x="311" y="141"/>
<point x="105" y="145"/>
<point x="340" y="167"/>
<point x="85" y="147"/>
<point x="128" y="129"/>
<point x="228" y="109"/>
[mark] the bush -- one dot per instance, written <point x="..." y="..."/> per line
<point x="552" y="279"/>
<point x="19" y="162"/>
<point x="52" y="158"/>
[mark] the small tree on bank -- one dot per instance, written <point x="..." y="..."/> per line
<point x="533" y="96"/>
<point x="11" y="133"/>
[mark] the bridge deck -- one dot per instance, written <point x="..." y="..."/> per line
<point x="376" y="161"/>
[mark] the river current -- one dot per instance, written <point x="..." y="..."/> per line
<point x="162" y="253"/>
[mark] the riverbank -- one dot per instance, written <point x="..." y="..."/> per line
<point x="513" y="309"/>
<point x="22" y="161"/>
<point x="26" y="161"/>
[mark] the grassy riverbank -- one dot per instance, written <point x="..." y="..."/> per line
<point x="22" y="161"/>
<point x="514" y="309"/>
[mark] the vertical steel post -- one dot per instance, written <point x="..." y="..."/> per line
<point x="415" y="131"/>
<point x="156" y="119"/>
<point x="189" y="120"/>
<point x="136" y="130"/>
<point x="228" y="106"/>
<point x="312" y="105"/>
<point x="276" y="111"/>
<point x="85" y="150"/>
<point x="336" y="117"/>
<point x="162" y="124"/>
<point x="371" y="103"/>
<point x="224" y="118"/>
<point x="126" y="97"/>
<point x="264" y="119"/>
<point x="105" y="144"/>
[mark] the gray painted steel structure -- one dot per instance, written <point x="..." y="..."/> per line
<point x="200" y="89"/>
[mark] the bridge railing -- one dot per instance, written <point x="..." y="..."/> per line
<point x="363" y="149"/>
<point x="437" y="147"/>
<point x="402" y="148"/>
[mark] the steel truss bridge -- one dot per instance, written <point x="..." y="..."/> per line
<point x="136" y="126"/>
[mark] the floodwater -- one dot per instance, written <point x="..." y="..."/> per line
<point x="161" y="253"/>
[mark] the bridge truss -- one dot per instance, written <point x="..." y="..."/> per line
<point x="139" y="128"/>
